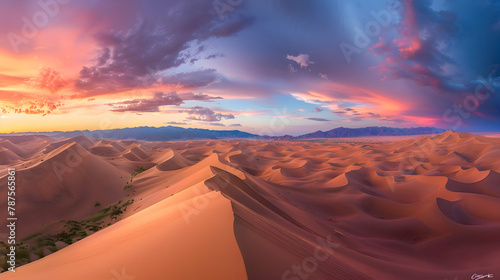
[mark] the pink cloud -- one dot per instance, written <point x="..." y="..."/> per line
<point x="302" y="60"/>
<point x="47" y="79"/>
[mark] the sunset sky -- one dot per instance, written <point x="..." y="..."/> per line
<point x="262" y="66"/>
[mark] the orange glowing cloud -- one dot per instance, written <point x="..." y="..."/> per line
<point x="369" y="104"/>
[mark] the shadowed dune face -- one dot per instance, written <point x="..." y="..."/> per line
<point x="423" y="208"/>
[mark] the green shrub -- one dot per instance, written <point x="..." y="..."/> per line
<point x="138" y="171"/>
<point x="31" y="236"/>
<point x="39" y="252"/>
<point x="97" y="217"/>
<point x="105" y="210"/>
<point x="127" y="203"/>
<point x="22" y="254"/>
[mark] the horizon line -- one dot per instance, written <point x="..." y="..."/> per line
<point x="222" y="129"/>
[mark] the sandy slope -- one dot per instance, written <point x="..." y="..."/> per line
<point x="416" y="208"/>
<point x="152" y="244"/>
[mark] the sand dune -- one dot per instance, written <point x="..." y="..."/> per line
<point x="7" y="157"/>
<point x="170" y="160"/>
<point x="63" y="184"/>
<point x="6" y="144"/>
<point x="415" y="208"/>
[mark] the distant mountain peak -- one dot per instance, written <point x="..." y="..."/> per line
<point x="343" y="132"/>
<point x="147" y="133"/>
<point x="175" y="133"/>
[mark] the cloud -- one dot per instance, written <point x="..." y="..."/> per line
<point x="197" y="97"/>
<point x="301" y="59"/>
<point x="47" y="79"/>
<point x="38" y="106"/>
<point x="419" y="51"/>
<point x="147" y="105"/>
<point x="193" y="79"/>
<point x="158" y="100"/>
<point x="215" y="124"/>
<point x="367" y="104"/>
<point x="318" y="119"/>
<point x="132" y="59"/>
<point x="146" y="43"/>
<point x="318" y="109"/>
<point x="340" y="112"/>
<point x="7" y="80"/>
<point x="235" y="125"/>
<point x="215" y="55"/>
<point x="228" y="27"/>
<point x="204" y="114"/>
<point x="177" y="123"/>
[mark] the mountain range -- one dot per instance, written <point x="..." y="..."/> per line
<point x="344" y="132"/>
<point x="173" y="133"/>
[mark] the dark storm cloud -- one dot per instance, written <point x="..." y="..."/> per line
<point x="132" y="58"/>
<point x="158" y="100"/>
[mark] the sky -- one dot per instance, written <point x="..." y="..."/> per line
<point x="270" y="67"/>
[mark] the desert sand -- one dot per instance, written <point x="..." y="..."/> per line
<point x="424" y="207"/>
